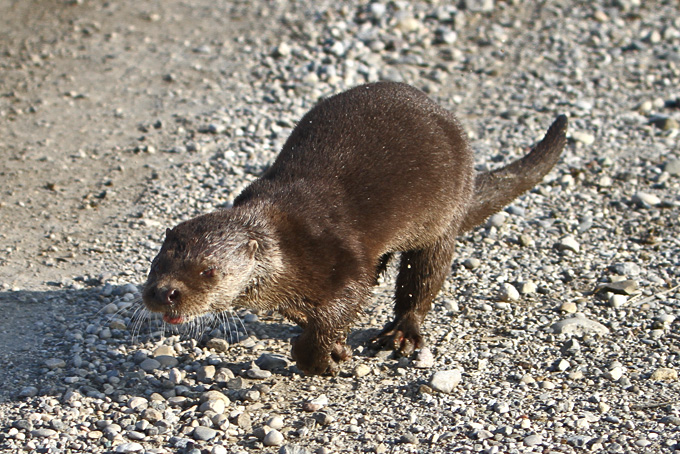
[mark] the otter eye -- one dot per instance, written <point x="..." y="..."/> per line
<point x="210" y="272"/>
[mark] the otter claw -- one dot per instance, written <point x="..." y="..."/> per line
<point x="404" y="343"/>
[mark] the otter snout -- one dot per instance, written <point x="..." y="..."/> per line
<point x="160" y="299"/>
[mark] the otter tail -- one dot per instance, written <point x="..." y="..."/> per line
<point x="496" y="189"/>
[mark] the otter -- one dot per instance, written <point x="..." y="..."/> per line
<point x="375" y="171"/>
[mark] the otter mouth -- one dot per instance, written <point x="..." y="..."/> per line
<point x="175" y="319"/>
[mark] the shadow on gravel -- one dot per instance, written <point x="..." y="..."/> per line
<point x="40" y="332"/>
<point x="32" y="330"/>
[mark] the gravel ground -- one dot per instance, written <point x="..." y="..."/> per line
<point x="556" y="332"/>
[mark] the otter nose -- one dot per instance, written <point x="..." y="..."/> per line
<point x="171" y="296"/>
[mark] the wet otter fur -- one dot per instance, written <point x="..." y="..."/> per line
<point x="377" y="170"/>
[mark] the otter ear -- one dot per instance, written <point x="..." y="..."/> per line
<point x="168" y="233"/>
<point x="252" y="247"/>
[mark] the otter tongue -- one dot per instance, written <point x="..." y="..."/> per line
<point x="173" y="320"/>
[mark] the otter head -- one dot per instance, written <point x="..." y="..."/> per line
<point x="203" y="266"/>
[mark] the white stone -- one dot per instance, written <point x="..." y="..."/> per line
<point x="445" y="380"/>
<point x="273" y="438"/>
<point x="569" y="243"/>
<point x="584" y="137"/>
<point x="508" y="292"/>
<point x="617" y="301"/>
<point x="645" y="199"/>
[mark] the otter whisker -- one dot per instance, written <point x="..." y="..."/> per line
<point x="240" y="321"/>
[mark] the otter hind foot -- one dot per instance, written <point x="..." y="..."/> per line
<point x="402" y="336"/>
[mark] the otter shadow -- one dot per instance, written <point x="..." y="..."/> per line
<point x="51" y="341"/>
<point x="33" y="329"/>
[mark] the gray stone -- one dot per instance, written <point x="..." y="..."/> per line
<point x="616" y="301"/>
<point x="205" y="373"/>
<point x="625" y="287"/>
<point x="55" y="363"/>
<point x="497" y="219"/>
<point x="257" y="373"/>
<point x="137" y="403"/>
<point x="471" y="263"/>
<point x="629" y="269"/>
<point x="479" y="6"/>
<point x="579" y="325"/>
<point x="294" y="449"/>
<point x="203" y="433"/>
<point x="672" y="167"/>
<point x="361" y="370"/>
<point x="43" y="433"/>
<point x="167" y="361"/>
<point x="216" y="406"/>
<point x="134" y="435"/>
<point x="583" y="137"/>
<point x="269" y="361"/>
<point x="664" y="374"/>
<point x="129" y="447"/>
<point x="409" y="438"/>
<point x="150" y="364"/>
<point x="28" y="391"/>
<point x="275" y="422"/>
<point x="533" y="440"/>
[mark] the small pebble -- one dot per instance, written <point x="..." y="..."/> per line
<point x="361" y="370"/>
<point x="217" y="344"/>
<point x="672" y="167"/>
<point x="617" y="301"/>
<point x="445" y="380"/>
<point x="623" y="287"/>
<point x="315" y="404"/>
<point x="579" y="325"/>
<point x="508" y="293"/>
<point x="497" y="219"/>
<point x="645" y="199"/>
<point x="664" y="374"/>
<point x="150" y="364"/>
<point x="43" y="433"/>
<point x="533" y="440"/>
<point x="425" y="359"/>
<point x="614" y="374"/>
<point x="269" y="361"/>
<point x="275" y="422"/>
<point x="55" y="363"/>
<point x="471" y="263"/>
<point x="273" y="438"/>
<point x="569" y="243"/>
<point x="203" y="433"/>
<point x="583" y="137"/>
<point x="129" y="447"/>
<point x="569" y="307"/>
<point x="527" y="288"/>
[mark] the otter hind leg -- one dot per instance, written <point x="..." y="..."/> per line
<point x="421" y="275"/>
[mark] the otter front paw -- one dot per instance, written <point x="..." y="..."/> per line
<point x="313" y="360"/>
<point x="402" y="336"/>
